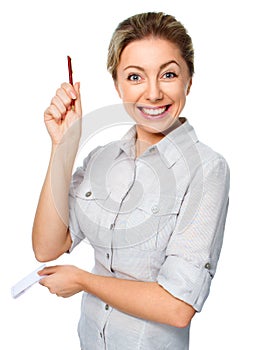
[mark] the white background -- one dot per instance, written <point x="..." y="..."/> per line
<point x="35" y="40"/>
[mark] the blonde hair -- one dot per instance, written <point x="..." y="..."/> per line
<point x="141" y="26"/>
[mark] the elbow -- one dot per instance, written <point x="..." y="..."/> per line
<point x="183" y="318"/>
<point x="181" y="315"/>
<point x="44" y="254"/>
<point x="181" y="322"/>
<point x="46" y="249"/>
<point x="40" y="257"/>
<point x="39" y="253"/>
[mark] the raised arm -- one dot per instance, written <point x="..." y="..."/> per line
<point x="50" y="235"/>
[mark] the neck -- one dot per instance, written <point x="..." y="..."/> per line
<point x="146" y="138"/>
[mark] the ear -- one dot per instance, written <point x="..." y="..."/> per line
<point x="189" y="86"/>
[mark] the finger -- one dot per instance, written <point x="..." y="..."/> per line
<point x="78" y="105"/>
<point x="70" y="90"/>
<point x="49" y="270"/>
<point x="52" y="112"/>
<point x="42" y="281"/>
<point x="64" y="96"/>
<point x="56" y="101"/>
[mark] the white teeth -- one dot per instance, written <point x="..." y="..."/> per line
<point x="155" y="111"/>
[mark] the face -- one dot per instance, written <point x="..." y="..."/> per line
<point x="153" y="81"/>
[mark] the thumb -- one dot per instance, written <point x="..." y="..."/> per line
<point x="78" y="104"/>
<point x="49" y="270"/>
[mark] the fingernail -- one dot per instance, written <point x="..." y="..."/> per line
<point x="73" y="95"/>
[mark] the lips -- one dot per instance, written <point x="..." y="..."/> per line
<point x="154" y="112"/>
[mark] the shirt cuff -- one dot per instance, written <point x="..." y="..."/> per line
<point x="185" y="281"/>
<point x="75" y="239"/>
<point x="74" y="229"/>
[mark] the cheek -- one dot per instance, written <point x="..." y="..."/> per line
<point x="119" y="90"/>
<point x="177" y="92"/>
<point x="129" y="93"/>
<point x="129" y="107"/>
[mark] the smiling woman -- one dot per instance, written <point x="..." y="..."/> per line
<point x="154" y="89"/>
<point x="153" y="205"/>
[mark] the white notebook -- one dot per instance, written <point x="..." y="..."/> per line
<point x="28" y="281"/>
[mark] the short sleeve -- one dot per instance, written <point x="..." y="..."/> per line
<point x="194" y="248"/>
<point x="75" y="232"/>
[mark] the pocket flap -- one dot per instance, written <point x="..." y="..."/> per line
<point x="164" y="205"/>
<point x="89" y="191"/>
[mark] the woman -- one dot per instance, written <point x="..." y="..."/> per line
<point x="153" y="204"/>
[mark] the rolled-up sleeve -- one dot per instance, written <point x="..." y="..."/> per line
<point x="74" y="228"/>
<point x="194" y="247"/>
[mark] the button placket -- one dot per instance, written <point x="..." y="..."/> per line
<point x="155" y="209"/>
<point x="207" y="266"/>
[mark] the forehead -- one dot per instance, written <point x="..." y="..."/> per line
<point x="150" y="52"/>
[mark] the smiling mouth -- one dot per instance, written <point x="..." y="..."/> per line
<point x="154" y="112"/>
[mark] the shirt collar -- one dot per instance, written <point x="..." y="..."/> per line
<point x="171" y="147"/>
<point x="127" y="142"/>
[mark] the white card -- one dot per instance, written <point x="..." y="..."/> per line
<point x="28" y="281"/>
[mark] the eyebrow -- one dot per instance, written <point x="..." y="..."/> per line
<point x="161" y="67"/>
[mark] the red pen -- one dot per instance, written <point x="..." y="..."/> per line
<point x="70" y="75"/>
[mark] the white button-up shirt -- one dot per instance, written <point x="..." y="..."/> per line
<point x="158" y="217"/>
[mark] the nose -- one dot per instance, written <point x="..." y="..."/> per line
<point x="153" y="92"/>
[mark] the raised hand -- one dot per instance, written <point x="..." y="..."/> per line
<point x="64" y="114"/>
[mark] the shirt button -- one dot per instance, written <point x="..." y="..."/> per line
<point x="106" y="307"/>
<point x="88" y="194"/>
<point x="155" y="209"/>
<point x="112" y="226"/>
<point x="107" y="256"/>
<point x="100" y="334"/>
<point x="207" y="266"/>
<point x="152" y="149"/>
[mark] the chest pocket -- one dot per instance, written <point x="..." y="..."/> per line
<point x="89" y="193"/>
<point x="91" y="213"/>
<point x="150" y="225"/>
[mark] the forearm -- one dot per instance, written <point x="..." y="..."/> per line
<point x="147" y="300"/>
<point x="50" y="234"/>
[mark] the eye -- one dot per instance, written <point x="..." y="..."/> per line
<point x="134" y="77"/>
<point x="169" y="75"/>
